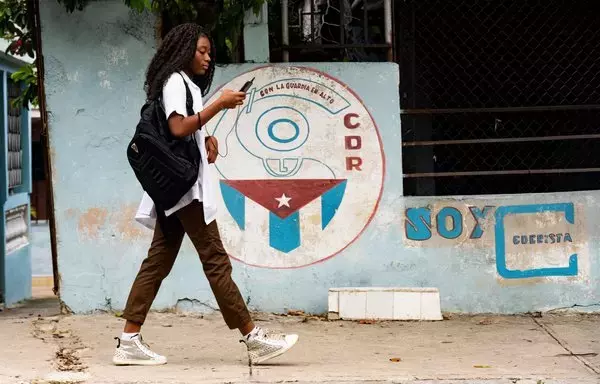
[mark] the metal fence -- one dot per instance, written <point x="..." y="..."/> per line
<point x="499" y="96"/>
<point x="331" y="30"/>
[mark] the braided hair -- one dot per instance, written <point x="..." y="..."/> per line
<point x="175" y="54"/>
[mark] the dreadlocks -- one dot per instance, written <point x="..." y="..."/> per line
<point x="175" y="53"/>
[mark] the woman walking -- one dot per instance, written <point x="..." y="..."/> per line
<point x="187" y="57"/>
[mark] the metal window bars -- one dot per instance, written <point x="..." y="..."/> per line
<point x="499" y="96"/>
<point x="342" y="30"/>
<point x="15" y="148"/>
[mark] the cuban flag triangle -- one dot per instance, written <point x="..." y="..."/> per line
<point x="283" y="199"/>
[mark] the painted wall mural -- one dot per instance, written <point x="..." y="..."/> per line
<point x="529" y="241"/>
<point x="300" y="167"/>
<point x="341" y="135"/>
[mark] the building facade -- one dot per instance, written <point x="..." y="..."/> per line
<point x="15" y="261"/>
<point x="316" y="175"/>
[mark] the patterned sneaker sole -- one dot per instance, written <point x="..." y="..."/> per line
<point x="273" y="355"/>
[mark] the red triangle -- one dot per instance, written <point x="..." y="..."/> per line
<point x="276" y="195"/>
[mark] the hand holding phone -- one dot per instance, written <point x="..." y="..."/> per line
<point x="247" y="86"/>
<point x="230" y="99"/>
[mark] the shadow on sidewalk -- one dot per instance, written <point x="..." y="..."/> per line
<point x="42" y="307"/>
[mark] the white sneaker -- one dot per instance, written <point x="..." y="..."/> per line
<point x="264" y="345"/>
<point x="136" y="352"/>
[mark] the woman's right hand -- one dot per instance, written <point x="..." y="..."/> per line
<point x="230" y="99"/>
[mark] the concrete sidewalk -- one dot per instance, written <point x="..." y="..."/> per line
<point x="481" y="349"/>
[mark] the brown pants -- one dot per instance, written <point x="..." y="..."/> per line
<point x="161" y="257"/>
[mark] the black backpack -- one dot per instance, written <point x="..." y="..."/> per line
<point x="166" y="166"/>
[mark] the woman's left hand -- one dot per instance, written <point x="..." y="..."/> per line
<point x="212" y="148"/>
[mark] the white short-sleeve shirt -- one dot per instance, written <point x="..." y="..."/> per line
<point x="174" y="101"/>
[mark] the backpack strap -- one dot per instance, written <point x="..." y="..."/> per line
<point x="189" y="105"/>
<point x="189" y="100"/>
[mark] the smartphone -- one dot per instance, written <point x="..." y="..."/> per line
<point x="247" y="86"/>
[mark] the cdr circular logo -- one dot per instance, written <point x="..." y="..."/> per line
<point x="300" y="168"/>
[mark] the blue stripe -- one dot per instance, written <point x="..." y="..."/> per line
<point x="330" y="202"/>
<point x="235" y="203"/>
<point x="284" y="234"/>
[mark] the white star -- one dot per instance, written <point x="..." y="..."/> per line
<point x="283" y="201"/>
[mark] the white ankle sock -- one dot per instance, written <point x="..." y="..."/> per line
<point x="252" y="333"/>
<point x="129" y="336"/>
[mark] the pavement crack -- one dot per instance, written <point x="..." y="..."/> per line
<point x="565" y="346"/>
<point x="69" y="345"/>
<point x="194" y="302"/>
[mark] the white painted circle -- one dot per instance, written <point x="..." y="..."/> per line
<point x="292" y="132"/>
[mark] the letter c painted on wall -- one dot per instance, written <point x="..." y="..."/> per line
<point x="348" y="121"/>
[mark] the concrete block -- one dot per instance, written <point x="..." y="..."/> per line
<point x="384" y="303"/>
<point x="334" y="301"/>
<point x="380" y="305"/>
<point x="407" y="305"/>
<point x="430" y="305"/>
<point x="353" y="305"/>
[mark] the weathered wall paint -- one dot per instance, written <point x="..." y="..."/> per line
<point x="528" y="240"/>
<point x="95" y="62"/>
<point x="94" y="76"/>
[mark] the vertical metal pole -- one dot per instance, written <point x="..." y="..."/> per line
<point x="342" y="21"/>
<point x="387" y="11"/>
<point x="312" y="21"/>
<point x="366" y="21"/>
<point x="285" y="30"/>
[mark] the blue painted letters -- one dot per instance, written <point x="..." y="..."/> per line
<point x="450" y="225"/>
<point x="502" y="212"/>
<point x="418" y="224"/>
<point x="457" y="223"/>
<point x="479" y="215"/>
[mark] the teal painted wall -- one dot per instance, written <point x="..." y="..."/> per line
<point x="95" y="63"/>
<point x="15" y="267"/>
<point x="256" y="47"/>
<point x="17" y="264"/>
